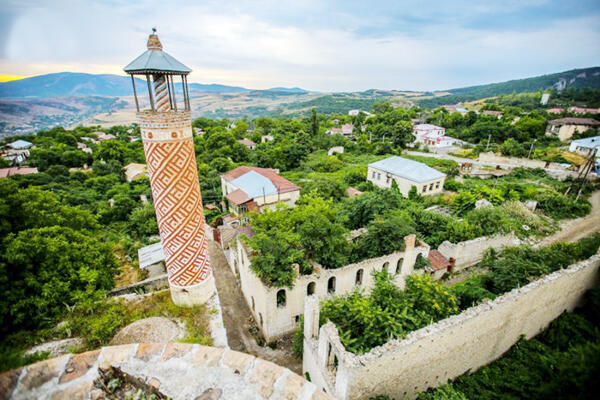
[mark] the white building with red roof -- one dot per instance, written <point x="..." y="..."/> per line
<point x="248" y="143"/>
<point x="432" y="136"/>
<point x="583" y="110"/>
<point x="252" y="188"/>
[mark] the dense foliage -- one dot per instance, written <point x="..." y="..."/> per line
<point x="560" y="363"/>
<point x="517" y="266"/>
<point x="387" y="312"/>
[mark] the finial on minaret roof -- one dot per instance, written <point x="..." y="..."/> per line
<point x="153" y="42"/>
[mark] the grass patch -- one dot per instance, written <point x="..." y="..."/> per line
<point x="99" y="322"/>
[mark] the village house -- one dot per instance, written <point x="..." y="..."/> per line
<point x="565" y="128"/>
<point x="583" y="110"/>
<point x="83" y="147"/>
<point x="555" y="110"/>
<point x="6" y="172"/>
<point x="102" y="136"/>
<point x="17" y="152"/>
<point x="586" y="146"/>
<point x="135" y="171"/>
<point x="266" y="138"/>
<point x="252" y="188"/>
<point x="248" y="143"/>
<point x="432" y="136"/>
<point x="20" y="145"/>
<point x="406" y="173"/>
<point x="458" y="109"/>
<point x="497" y="114"/>
<point x="347" y="129"/>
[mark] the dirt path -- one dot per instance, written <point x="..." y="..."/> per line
<point x="238" y="320"/>
<point x="575" y="229"/>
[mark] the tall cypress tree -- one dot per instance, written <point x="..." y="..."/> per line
<point x="315" y="123"/>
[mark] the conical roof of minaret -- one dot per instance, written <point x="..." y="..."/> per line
<point x="155" y="60"/>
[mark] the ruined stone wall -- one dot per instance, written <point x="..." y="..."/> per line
<point x="471" y="252"/>
<point x="444" y="350"/>
<point x="275" y="321"/>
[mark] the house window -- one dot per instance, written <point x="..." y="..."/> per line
<point x="431" y="187"/>
<point x="399" y="265"/>
<point x="310" y="289"/>
<point x="359" y="277"/>
<point x="385" y="266"/>
<point x="378" y="176"/>
<point x="281" y="298"/>
<point x="437" y="185"/>
<point x="331" y="285"/>
<point x="387" y="180"/>
<point x="374" y="173"/>
<point x="297" y="319"/>
<point x="424" y="189"/>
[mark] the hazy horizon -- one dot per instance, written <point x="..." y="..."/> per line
<point x="327" y="47"/>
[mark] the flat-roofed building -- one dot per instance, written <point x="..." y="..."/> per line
<point x="407" y="173"/>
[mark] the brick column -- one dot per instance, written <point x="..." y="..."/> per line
<point x="169" y="150"/>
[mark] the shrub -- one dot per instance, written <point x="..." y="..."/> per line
<point x="388" y="312"/>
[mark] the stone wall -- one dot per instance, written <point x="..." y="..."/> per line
<point x="516" y="162"/>
<point x="147" y="285"/>
<point x="471" y="252"/>
<point x="276" y="320"/>
<point x="178" y="370"/>
<point x="442" y="351"/>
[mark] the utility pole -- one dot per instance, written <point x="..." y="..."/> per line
<point x="488" y="143"/>
<point x="588" y="167"/>
<point x="531" y="148"/>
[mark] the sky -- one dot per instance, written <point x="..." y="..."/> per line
<point x="317" y="45"/>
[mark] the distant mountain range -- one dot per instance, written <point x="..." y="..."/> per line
<point x="576" y="78"/>
<point x="69" y="84"/>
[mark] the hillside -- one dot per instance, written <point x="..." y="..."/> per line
<point x="577" y="78"/>
<point x="68" y="84"/>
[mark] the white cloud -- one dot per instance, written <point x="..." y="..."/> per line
<point x="308" y="44"/>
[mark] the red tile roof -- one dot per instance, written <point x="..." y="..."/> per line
<point x="6" y="172"/>
<point x="282" y="184"/>
<point x="438" y="260"/>
<point x="575" y="121"/>
<point x="238" y="197"/>
<point x="247" y="142"/>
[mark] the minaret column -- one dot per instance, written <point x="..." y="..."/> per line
<point x="169" y="150"/>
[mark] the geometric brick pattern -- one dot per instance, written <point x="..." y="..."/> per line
<point x="178" y="203"/>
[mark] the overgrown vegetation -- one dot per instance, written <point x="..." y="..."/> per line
<point x="388" y="312"/>
<point x="560" y="363"/>
<point x="517" y="266"/>
<point x="97" y="320"/>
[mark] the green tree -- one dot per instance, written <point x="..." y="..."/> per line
<point x="44" y="269"/>
<point x="322" y="237"/>
<point x="314" y="123"/>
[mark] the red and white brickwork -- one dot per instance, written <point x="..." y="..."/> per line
<point x="169" y="150"/>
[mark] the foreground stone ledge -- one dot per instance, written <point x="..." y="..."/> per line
<point x="179" y="370"/>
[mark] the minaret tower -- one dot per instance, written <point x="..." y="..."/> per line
<point x="166" y="129"/>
